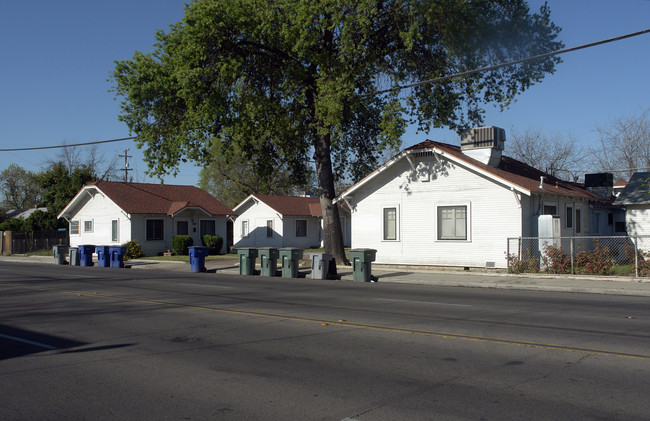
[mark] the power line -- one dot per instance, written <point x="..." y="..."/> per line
<point x="510" y="63"/>
<point x="68" y="145"/>
<point x="397" y="88"/>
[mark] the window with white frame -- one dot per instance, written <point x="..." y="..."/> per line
<point x="74" y="227"/>
<point x="244" y="229"/>
<point x="269" y="228"/>
<point x="155" y="230"/>
<point x="578" y="221"/>
<point x="301" y="227"/>
<point x="114" y="230"/>
<point x="390" y="223"/>
<point x="88" y="226"/>
<point x="569" y="216"/>
<point x="452" y="222"/>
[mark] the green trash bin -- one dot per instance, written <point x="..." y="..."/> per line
<point x="268" y="260"/>
<point x="247" y="258"/>
<point x="290" y="258"/>
<point x="362" y="263"/>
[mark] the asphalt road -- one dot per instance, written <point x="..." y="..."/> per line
<point x="94" y="343"/>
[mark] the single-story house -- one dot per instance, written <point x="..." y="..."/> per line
<point x="283" y="221"/>
<point x="23" y="213"/>
<point x="636" y="199"/>
<point x="113" y="213"/>
<point x="444" y="205"/>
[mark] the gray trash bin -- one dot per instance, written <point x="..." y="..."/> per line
<point x="320" y="263"/>
<point x="74" y="256"/>
<point x="362" y="264"/>
<point x="60" y="251"/>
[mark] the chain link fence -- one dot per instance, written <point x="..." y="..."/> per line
<point x="615" y="256"/>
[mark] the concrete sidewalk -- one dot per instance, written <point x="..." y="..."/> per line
<point x="542" y="282"/>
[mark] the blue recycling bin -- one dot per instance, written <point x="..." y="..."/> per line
<point x="86" y="254"/>
<point x="103" y="256"/>
<point x="117" y="256"/>
<point x="197" y="258"/>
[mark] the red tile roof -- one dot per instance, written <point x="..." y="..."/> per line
<point x="141" y="198"/>
<point x="293" y="205"/>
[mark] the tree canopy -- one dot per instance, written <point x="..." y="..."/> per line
<point x="298" y="81"/>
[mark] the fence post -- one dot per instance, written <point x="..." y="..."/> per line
<point x="636" y="256"/>
<point x="508" y="254"/>
<point x="573" y="272"/>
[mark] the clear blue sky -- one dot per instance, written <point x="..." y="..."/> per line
<point x="56" y="58"/>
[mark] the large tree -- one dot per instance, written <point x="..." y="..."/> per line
<point x="19" y="188"/>
<point x="292" y="80"/>
<point x="232" y="175"/>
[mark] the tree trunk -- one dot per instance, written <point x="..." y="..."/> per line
<point x="331" y="221"/>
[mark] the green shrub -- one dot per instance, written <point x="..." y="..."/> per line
<point x="215" y="243"/>
<point x="181" y="243"/>
<point x="133" y="250"/>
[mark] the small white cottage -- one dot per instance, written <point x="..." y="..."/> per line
<point x="283" y="221"/>
<point x="113" y="213"/>
<point x="444" y="205"/>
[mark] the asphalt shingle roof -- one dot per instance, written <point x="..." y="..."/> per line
<point x="292" y="205"/>
<point x="636" y="191"/>
<point x="143" y="198"/>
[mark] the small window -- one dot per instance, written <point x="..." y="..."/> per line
<point x="269" y="228"/>
<point x="88" y="226"/>
<point x="182" y="228"/>
<point x="208" y="227"/>
<point x="578" y="221"/>
<point x="301" y="227"/>
<point x="390" y="223"/>
<point x="114" y="233"/>
<point x="155" y="229"/>
<point x="619" y="226"/>
<point x="569" y="216"/>
<point x="74" y="227"/>
<point x="610" y="219"/>
<point x="550" y="210"/>
<point x="244" y="229"/>
<point x="452" y="223"/>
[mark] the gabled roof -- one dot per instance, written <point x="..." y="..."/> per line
<point x="510" y="172"/>
<point x="143" y="198"/>
<point x="23" y="213"/>
<point x="637" y="190"/>
<point x="287" y="205"/>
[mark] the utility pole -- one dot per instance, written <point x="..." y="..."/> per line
<point x="126" y="168"/>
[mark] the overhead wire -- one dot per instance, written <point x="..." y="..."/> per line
<point x="395" y="88"/>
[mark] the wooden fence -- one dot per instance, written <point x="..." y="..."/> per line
<point x="14" y="242"/>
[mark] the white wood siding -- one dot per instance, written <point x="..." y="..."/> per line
<point x="493" y="215"/>
<point x="101" y="211"/>
<point x="637" y="221"/>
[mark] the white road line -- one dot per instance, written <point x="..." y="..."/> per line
<point x="13" y="338"/>
<point x="425" y="302"/>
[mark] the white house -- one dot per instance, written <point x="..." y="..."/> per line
<point x="113" y="213"/>
<point x="283" y="221"/>
<point x="439" y="204"/>
<point x="636" y="199"/>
